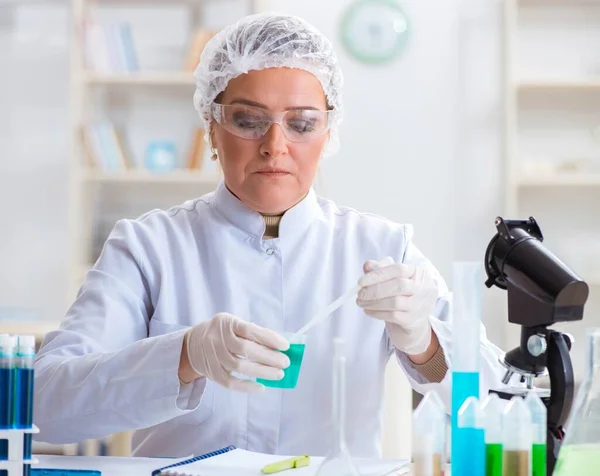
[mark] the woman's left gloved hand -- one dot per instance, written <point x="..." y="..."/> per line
<point x="403" y="296"/>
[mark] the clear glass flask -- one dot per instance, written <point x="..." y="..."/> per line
<point x="580" y="452"/>
<point x="338" y="462"/>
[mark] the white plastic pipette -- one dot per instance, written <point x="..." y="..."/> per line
<point x="323" y="314"/>
<point x="318" y="317"/>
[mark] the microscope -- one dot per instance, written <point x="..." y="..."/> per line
<point x="542" y="291"/>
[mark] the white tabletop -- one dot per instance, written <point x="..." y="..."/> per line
<point x="108" y="465"/>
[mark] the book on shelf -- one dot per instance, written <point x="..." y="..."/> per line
<point x="110" y="48"/>
<point x="199" y="40"/>
<point x="195" y="157"/>
<point x="103" y="147"/>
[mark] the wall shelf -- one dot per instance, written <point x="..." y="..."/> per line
<point x="148" y="78"/>
<point x="561" y="180"/>
<point x="551" y="3"/>
<point x="583" y="84"/>
<point x="144" y="176"/>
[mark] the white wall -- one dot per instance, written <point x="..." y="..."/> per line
<point x="33" y="172"/>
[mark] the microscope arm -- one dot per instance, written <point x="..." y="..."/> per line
<point x="562" y="380"/>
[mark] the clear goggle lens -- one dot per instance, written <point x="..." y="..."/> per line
<point x="249" y="122"/>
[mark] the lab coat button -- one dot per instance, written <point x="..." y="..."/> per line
<point x="270" y="251"/>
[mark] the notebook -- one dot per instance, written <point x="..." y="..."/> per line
<point x="233" y="461"/>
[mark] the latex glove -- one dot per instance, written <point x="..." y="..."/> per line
<point x="217" y="347"/>
<point x="403" y="296"/>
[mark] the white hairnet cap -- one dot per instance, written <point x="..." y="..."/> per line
<point x="269" y="40"/>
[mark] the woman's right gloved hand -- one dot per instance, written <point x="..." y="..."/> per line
<point x="227" y="344"/>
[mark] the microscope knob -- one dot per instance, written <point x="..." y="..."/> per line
<point x="569" y="339"/>
<point x="537" y="345"/>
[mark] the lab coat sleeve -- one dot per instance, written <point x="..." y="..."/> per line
<point x="100" y="373"/>
<point x="491" y="371"/>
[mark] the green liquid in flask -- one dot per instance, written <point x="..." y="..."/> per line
<point x="538" y="460"/>
<point x="578" y="460"/>
<point x="493" y="459"/>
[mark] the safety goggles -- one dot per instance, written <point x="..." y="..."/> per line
<point x="252" y="123"/>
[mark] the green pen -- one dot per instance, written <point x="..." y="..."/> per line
<point x="291" y="463"/>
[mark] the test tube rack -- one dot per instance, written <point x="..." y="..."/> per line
<point x="16" y="443"/>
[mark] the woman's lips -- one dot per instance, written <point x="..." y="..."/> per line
<point x="273" y="172"/>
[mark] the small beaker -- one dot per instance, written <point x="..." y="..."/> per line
<point x="291" y="374"/>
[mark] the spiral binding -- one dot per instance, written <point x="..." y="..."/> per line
<point x="165" y="471"/>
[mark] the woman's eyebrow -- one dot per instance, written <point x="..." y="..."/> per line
<point x="248" y="102"/>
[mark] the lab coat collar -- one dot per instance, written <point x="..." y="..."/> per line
<point x="294" y="221"/>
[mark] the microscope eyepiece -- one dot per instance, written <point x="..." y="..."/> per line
<point x="542" y="290"/>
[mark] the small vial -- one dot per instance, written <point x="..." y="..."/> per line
<point x="24" y="387"/>
<point x="492" y="412"/>
<point x="471" y="428"/>
<point x="7" y="396"/>
<point x="516" y="438"/>
<point x="429" y="436"/>
<point x="539" y="416"/>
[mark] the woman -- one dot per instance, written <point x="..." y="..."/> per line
<point x="181" y="300"/>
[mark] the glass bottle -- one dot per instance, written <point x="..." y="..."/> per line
<point x="580" y="451"/>
<point x="338" y="462"/>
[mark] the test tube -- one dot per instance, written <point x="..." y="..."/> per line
<point x="471" y="424"/>
<point x="492" y="413"/>
<point x="539" y="415"/>
<point x="467" y="283"/>
<point x="24" y="387"/>
<point x="7" y="397"/>
<point x="516" y="438"/>
<point x="429" y="435"/>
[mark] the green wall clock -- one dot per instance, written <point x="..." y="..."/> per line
<point x="375" y="31"/>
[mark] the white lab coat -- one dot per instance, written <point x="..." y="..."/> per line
<point x="113" y="364"/>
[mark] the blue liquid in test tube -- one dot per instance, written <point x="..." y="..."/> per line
<point x="24" y="388"/>
<point x="467" y="282"/>
<point x="7" y="398"/>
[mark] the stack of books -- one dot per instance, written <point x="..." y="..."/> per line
<point x="110" y="48"/>
<point x="104" y="148"/>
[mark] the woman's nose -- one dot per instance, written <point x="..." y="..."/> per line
<point x="274" y="142"/>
